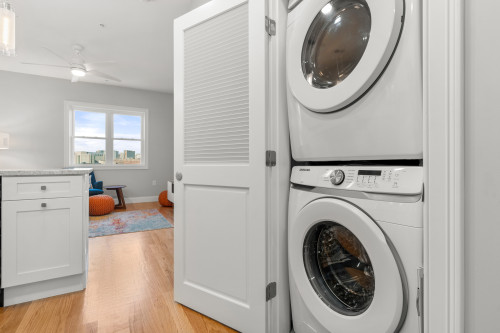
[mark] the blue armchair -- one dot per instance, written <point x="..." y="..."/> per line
<point x="96" y="186"/>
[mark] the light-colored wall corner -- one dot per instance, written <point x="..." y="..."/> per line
<point x="198" y="3"/>
<point x="482" y="166"/>
<point x="32" y="109"/>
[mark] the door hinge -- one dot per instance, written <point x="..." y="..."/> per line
<point x="270" y="158"/>
<point x="270" y="291"/>
<point x="270" y="26"/>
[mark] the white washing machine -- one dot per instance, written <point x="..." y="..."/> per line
<point x="354" y="79"/>
<point x="355" y="249"/>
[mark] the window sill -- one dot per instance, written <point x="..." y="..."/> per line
<point x="107" y="167"/>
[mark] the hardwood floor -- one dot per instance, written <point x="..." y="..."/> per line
<point x="130" y="289"/>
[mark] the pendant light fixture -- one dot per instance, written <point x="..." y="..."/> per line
<point x="7" y="29"/>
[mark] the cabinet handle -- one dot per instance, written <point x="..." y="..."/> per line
<point x="44" y="188"/>
<point x="44" y="204"/>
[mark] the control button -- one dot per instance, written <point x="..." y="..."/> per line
<point x="337" y="177"/>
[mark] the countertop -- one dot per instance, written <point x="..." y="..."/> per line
<point x="44" y="172"/>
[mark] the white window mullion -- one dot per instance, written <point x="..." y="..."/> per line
<point x="71" y="159"/>
<point x="144" y="150"/>
<point x="71" y="153"/>
<point x="109" y="139"/>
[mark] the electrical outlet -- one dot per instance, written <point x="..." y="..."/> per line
<point x="154" y="182"/>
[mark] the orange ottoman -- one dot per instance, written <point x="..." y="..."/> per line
<point x="101" y="204"/>
<point x="163" y="199"/>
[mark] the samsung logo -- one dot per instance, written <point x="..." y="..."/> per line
<point x="304" y="169"/>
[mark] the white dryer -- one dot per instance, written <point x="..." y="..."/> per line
<point x="355" y="249"/>
<point x="354" y="79"/>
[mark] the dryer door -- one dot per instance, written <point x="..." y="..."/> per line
<point x="346" y="270"/>
<point x="337" y="49"/>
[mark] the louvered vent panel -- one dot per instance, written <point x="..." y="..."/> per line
<point x="216" y="114"/>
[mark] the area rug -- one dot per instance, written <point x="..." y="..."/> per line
<point x="125" y="222"/>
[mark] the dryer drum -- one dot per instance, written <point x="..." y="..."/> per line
<point x="335" y="42"/>
<point x="339" y="268"/>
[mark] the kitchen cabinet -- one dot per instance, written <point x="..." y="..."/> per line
<point x="44" y="230"/>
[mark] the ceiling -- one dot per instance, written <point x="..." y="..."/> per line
<point x="136" y="34"/>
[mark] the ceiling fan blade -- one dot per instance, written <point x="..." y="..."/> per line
<point x="104" y="76"/>
<point x="57" y="55"/>
<point x="34" y="63"/>
<point x="74" y="79"/>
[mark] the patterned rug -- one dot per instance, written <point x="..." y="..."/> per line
<point x="125" y="222"/>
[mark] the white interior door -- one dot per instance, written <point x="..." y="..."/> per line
<point x="220" y="142"/>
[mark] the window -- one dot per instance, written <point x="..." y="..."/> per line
<point x="105" y="136"/>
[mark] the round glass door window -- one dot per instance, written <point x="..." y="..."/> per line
<point x="339" y="268"/>
<point x="335" y="42"/>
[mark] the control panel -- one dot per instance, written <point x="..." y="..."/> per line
<point x="394" y="180"/>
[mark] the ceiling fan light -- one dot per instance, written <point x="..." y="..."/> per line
<point x="78" y="72"/>
<point x="7" y="29"/>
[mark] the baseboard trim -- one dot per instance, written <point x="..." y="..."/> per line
<point x="152" y="198"/>
<point x="43" y="289"/>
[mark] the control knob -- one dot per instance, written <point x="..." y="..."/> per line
<point x="337" y="177"/>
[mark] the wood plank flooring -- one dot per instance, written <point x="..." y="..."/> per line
<point x="130" y="289"/>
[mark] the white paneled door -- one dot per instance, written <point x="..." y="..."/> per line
<point x="220" y="143"/>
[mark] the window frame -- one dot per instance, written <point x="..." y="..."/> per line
<point x="109" y="110"/>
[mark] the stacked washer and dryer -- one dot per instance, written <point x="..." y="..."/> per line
<point x="354" y="80"/>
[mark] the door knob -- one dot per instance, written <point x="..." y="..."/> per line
<point x="178" y="176"/>
<point x="44" y="205"/>
<point x="43" y="187"/>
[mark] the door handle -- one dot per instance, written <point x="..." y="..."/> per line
<point x="420" y="299"/>
<point x="44" y="205"/>
<point x="178" y="176"/>
<point x="43" y="187"/>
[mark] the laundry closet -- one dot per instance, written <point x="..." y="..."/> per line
<point x="302" y="145"/>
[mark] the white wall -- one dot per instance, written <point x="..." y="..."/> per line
<point x="198" y="3"/>
<point x="482" y="221"/>
<point x="32" y="109"/>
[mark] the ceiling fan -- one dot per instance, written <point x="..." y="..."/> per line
<point x="78" y="66"/>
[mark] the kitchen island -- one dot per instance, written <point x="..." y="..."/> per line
<point x="44" y="233"/>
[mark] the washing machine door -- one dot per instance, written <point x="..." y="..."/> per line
<point x="346" y="270"/>
<point x="336" y="49"/>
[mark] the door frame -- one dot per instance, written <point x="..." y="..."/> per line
<point x="279" y="176"/>
<point x="443" y="74"/>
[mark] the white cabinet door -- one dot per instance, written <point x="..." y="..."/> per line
<point x="41" y="240"/>
<point x="220" y="143"/>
